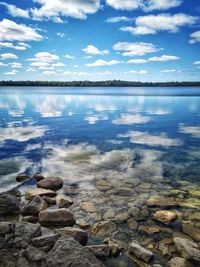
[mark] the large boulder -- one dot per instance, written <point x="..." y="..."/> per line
<point x="67" y="252"/>
<point x="57" y="217"/>
<point x="139" y="251"/>
<point x="165" y="216"/>
<point x="78" y="234"/>
<point x="52" y="183"/>
<point x="36" y="205"/>
<point x="39" y="192"/>
<point x="8" y="204"/>
<point x="187" y="249"/>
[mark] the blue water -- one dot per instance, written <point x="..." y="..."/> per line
<point x="37" y="125"/>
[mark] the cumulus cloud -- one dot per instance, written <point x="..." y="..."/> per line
<point x="44" y="57"/>
<point x="101" y="62"/>
<point x="127" y="119"/>
<point x="69" y="57"/>
<point x="8" y="56"/>
<point x="3" y="64"/>
<point x="15" y="11"/>
<point x="152" y="24"/>
<point x="11" y="31"/>
<point x="60" y="34"/>
<point x="19" y="46"/>
<point x="194" y="131"/>
<point x="195" y="37"/>
<point x="135" y="49"/>
<point x="55" y="10"/>
<point x="144" y="138"/>
<point x="164" y="58"/>
<point x="143" y="4"/>
<point x="137" y="61"/>
<point x="118" y="19"/>
<point x="13" y="72"/>
<point x="21" y="134"/>
<point x="92" y="50"/>
<point x="15" y="65"/>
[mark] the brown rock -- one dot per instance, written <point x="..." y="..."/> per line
<point x="38" y="177"/>
<point x="40" y="192"/>
<point x="165" y="216"/>
<point x="78" y="234"/>
<point x="36" y="205"/>
<point x="52" y="183"/>
<point x="179" y="262"/>
<point x="191" y="231"/>
<point x="22" y="177"/>
<point x="187" y="249"/>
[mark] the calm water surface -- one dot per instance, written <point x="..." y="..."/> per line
<point x="115" y="147"/>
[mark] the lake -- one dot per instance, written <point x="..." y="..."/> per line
<point x="115" y="148"/>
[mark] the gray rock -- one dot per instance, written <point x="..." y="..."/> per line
<point x="187" y="249"/>
<point x="36" y="205"/>
<point x="64" y="201"/>
<point x="35" y="254"/>
<point x="6" y="228"/>
<point x="2" y="242"/>
<point x="140" y="252"/>
<point x="57" y="217"/>
<point x="67" y="252"/>
<point x="14" y="192"/>
<point x="22" y="262"/>
<point x="22" y="177"/>
<point x="179" y="262"/>
<point x="101" y="252"/>
<point x="8" y="204"/>
<point x="39" y="192"/>
<point x="45" y="240"/>
<point x="78" y="234"/>
<point x="52" y="183"/>
<point x="30" y="219"/>
<point x="27" y="230"/>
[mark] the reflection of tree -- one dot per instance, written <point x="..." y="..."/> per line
<point x="113" y="83"/>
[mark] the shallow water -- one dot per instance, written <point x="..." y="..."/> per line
<point x="114" y="147"/>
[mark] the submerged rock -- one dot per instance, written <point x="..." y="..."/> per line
<point x="67" y="252"/>
<point x="161" y="202"/>
<point x="165" y="216"/>
<point x="187" y="249"/>
<point x="150" y="230"/>
<point x="88" y="207"/>
<point x="64" y="201"/>
<point x="22" y="177"/>
<point x="102" y="252"/>
<point x="57" y="217"/>
<point x="179" y="262"/>
<point x="8" y="204"/>
<point x="116" y="246"/>
<point x="40" y="192"/>
<point x="102" y="229"/>
<point x="140" y="252"/>
<point x="191" y="231"/>
<point x="36" y="205"/>
<point x="78" y="234"/>
<point x="52" y="183"/>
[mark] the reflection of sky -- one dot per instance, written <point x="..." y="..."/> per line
<point x="32" y="123"/>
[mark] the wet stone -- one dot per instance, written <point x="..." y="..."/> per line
<point x="22" y="177"/>
<point x="45" y="240"/>
<point x="52" y="183"/>
<point x="157" y="201"/>
<point x="191" y="231"/>
<point x="36" y="205"/>
<point x="40" y="192"/>
<point x="38" y="177"/>
<point x="8" y="204"/>
<point x="35" y="254"/>
<point x="187" y="249"/>
<point x="64" y="201"/>
<point x="140" y="252"/>
<point x="101" y="252"/>
<point x="102" y="229"/>
<point x="165" y="216"/>
<point x="150" y="230"/>
<point x="78" y="234"/>
<point x="179" y="262"/>
<point x="88" y="207"/>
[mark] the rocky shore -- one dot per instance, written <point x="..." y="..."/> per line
<point x="54" y="224"/>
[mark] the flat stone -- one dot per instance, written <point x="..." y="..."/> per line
<point x="191" y="231"/>
<point x="36" y="205"/>
<point x="103" y="228"/>
<point x="35" y="254"/>
<point x="22" y="177"/>
<point x="57" y="217"/>
<point x="179" y="262"/>
<point x="101" y="252"/>
<point x="165" y="216"/>
<point x="8" y="204"/>
<point x="121" y="217"/>
<point x="78" y="234"/>
<point x="45" y="240"/>
<point x="150" y="230"/>
<point x="139" y="251"/>
<point x="82" y="223"/>
<point x="52" y="183"/>
<point x="67" y="252"/>
<point x="27" y="230"/>
<point x="187" y="249"/>
<point x="40" y="192"/>
<point x="88" y="207"/>
<point x="64" y="201"/>
<point x="157" y="201"/>
<point x="138" y="262"/>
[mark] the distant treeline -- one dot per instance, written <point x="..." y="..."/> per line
<point x="111" y="83"/>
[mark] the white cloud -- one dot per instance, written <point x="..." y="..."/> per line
<point x="3" y="64"/>
<point x="151" y="24"/>
<point x="144" y="138"/>
<point x="101" y="62"/>
<point x="55" y="9"/>
<point x="168" y="71"/>
<point x="59" y="64"/>
<point x="69" y="57"/>
<point x="49" y="72"/>
<point x="163" y="58"/>
<point x="139" y="71"/>
<point x="19" y="46"/>
<point x="39" y="64"/>
<point x="196" y="63"/>
<point x="15" y="65"/>
<point x="92" y="50"/>
<point x="194" y="131"/>
<point x="8" y="56"/>
<point x="118" y="19"/>
<point x="15" y="11"/>
<point x="11" y="31"/>
<point x="143" y="4"/>
<point x="137" y="61"/>
<point x="135" y="49"/>
<point x="60" y="34"/>
<point x="13" y="72"/>
<point x="127" y="119"/>
<point x="44" y="57"/>
<point x="195" y="37"/>
<point x="70" y="73"/>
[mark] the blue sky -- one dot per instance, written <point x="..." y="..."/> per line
<point x="140" y="40"/>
